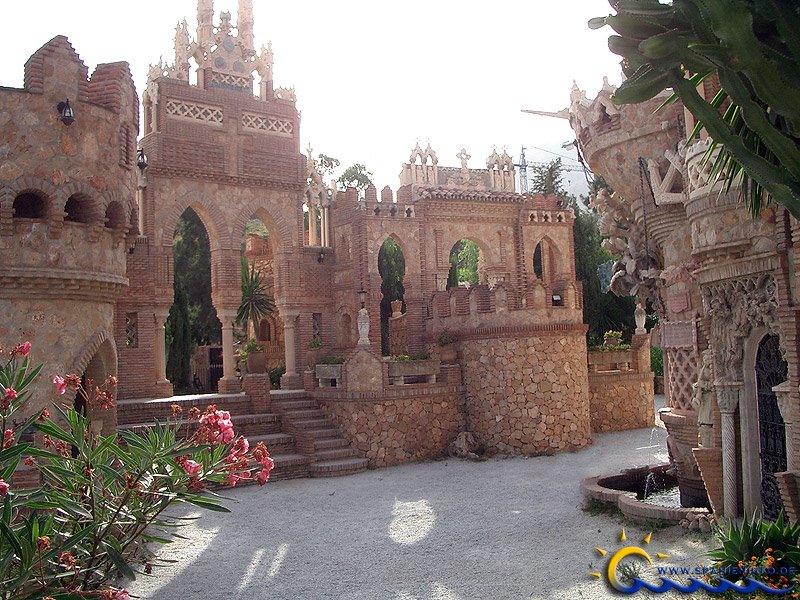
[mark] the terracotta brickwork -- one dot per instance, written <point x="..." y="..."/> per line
<point x="528" y="395"/>
<point x="67" y="212"/>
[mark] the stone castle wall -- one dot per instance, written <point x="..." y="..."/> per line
<point x="528" y="395"/>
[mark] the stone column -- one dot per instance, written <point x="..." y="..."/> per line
<point x="290" y="379"/>
<point x="324" y="226"/>
<point x="229" y="384"/>
<point x="312" y="226"/>
<point x="163" y="385"/>
<point x="728" y="399"/>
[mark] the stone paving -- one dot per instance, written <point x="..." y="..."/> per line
<point x="445" y="530"/>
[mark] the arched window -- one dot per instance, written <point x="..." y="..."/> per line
<point x="538" y="267"/>
<point x="30" y="205"/>
<point x="78" y="209"/>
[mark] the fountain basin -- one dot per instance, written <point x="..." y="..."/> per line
<point x="626" y="490"/>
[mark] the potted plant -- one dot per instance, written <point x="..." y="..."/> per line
<point x="447" y="347"/>
<point x="612" y="338"/>
<point x="314" y="352"/>
<point x="412" y="368"/>
<point x="255" y="356"/>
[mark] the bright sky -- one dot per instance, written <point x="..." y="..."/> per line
<point x="373" y="77"/>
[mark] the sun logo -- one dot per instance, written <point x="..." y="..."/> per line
<point x="613" y="567"/>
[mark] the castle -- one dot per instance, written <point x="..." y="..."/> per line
<point x="87" y="226"/>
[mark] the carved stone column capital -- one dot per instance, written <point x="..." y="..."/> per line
<point x="728" y="394"/>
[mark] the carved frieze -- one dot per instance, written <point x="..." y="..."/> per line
<point x="734" y="307"/>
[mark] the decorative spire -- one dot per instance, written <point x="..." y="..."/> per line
<point x="182" y="45"/>
<point x="245" y="24"/>
<point x="205" y="21"/>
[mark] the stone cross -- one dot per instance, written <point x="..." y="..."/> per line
<point x="463" y="157"/>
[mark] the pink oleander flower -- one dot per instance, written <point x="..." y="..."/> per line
<point x="241" y="446"/>
<point x="61" y="384"/>
<point x="43" y="543"/>
<point x="4" y="488"/>
<point x="191" y="467"/>
<point x="22" y="349"/>
<point x="226" y="435"/>
<point x="262" y="476"/>
<point x="10" y="394"/>
<point x="8" y="438"/>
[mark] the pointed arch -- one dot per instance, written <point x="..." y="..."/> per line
<point x="279" y="228"/>
<point x="219" y="233"/>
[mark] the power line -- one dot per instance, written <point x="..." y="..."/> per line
<point x="556" y="154"/>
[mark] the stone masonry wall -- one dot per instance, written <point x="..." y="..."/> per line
<point x="528" y="395"/>
<point x="619" y="401"/>
<point x="398" y="426"/>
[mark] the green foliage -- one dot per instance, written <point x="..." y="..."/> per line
<point x="445" y="337"/>
<point x="179" y="342"/>
<point x="315" y="343"/>
<point x="275" y="376"/>
<point x="752" y="47"/>
<point x="547" y="179"/>
<point x="464" y="258"/>
<point x="192" y="267"/>
<point x="331" y="360"/>
<point x="356" y="176"/>
<point x="327" y="164"/>
<point x="101" y="496"/>
<point x="601" y="311"/>
<point x="603" y="348"/>
<point x="612" y="335"/>
<point x="657" y="361"/>
<point x="392" y="269"/>
<point x="407" y="357"/>
<point x="256" y="227"/>
<point x="760" y="539"/>
<point x="256" y="303"/>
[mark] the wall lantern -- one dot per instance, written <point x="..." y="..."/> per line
<point x="65" y="110"/>
<point x="141" y="159"/>
<point x="362" y="297"/>
<point x="321" y="256"/>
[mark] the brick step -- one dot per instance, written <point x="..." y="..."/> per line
<point x="336" y="468"/>
<point x="148" y="410"/>
<point x="276" y="443"/>
<point x="311" y="424"/>
<point x="246" y="425"/>
<point x="288" y="395"/>
<point x="322" y="433"/>
<point x="289" y="466"/>
<point x="290" y="405"/>
<point x="304" y="414"/>
<point x="329" y="444"/>
<point x="335" y="454"/>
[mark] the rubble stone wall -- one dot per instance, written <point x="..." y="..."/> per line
<point x="528" y="395"/>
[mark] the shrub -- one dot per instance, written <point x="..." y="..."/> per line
<point x="275" y="376"/>
<point x="759" y="550"/>
<point x="101" y="496"/>
<point x="331" y="360"/>
<point x="657" y="361"/>
<point x="315" y="343"/>
<point x="445" y="337"/>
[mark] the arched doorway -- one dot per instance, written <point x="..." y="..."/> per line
<point x="192" y="322"/>
<point x="771" y="370"/>
<point x="392" y="269"/>
<point x="466" y="264"/>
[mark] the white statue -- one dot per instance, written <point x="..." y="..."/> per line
<point x="702" y="402"/>
<point x="363" y="327"/>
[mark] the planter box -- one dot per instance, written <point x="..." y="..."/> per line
<point x="610" y="360"/>
<point x="413" y="371"/>
<point x="329" y="375"/>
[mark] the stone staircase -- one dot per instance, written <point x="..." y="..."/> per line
<point x="302" y="441"/>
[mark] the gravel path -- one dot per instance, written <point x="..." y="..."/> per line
<point x="447" y="530"/>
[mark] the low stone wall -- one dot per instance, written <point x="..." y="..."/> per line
<point x="397" y="426"/>
<point x="620" y="400"/>
<point x="527" y="394"/>
<point x="621" y="387"/>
